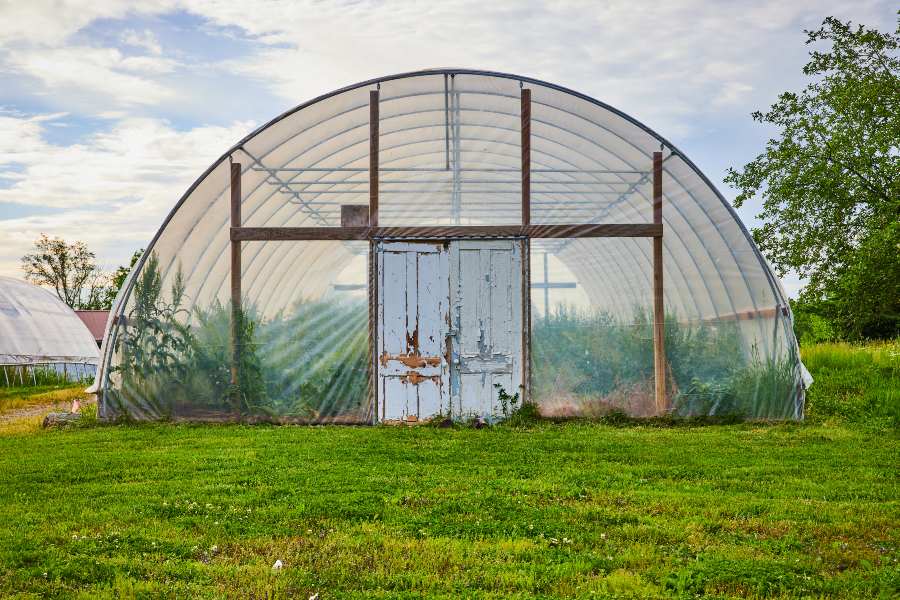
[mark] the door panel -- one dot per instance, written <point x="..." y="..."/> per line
<point x="413" y="374"/>
<point x="486" y="308"/>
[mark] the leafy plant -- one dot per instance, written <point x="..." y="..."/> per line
<point x="591" y="364"/>
<point x="507" y="403"/>
<point x="177" y="363"/>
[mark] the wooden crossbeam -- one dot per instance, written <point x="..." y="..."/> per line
<point x="268" y="234"/>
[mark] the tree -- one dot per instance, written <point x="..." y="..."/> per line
<point x="118" y="277"/>
<point x="70" y="269"/>
<point x="830" y="181"/>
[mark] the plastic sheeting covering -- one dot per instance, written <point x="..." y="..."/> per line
<point x="36" y="327"/>
<point x="450" y="155"/>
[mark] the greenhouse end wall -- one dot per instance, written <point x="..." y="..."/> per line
<point x="448" y="154"/>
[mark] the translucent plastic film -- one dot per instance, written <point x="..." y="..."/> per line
<point x="302" y="344"/>
<point x="448" y="148"/>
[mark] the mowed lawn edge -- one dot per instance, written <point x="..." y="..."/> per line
<point x="551" y="510"/>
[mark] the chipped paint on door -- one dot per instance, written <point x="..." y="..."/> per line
<point x="487" y="334"/>
<point x="413" y="305"/>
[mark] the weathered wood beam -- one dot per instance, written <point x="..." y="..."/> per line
<point x="373" y="158"/>
<point x="746" y="315"/>
<point x="236" y="324"/>
<point x="269" y="234"/>
<point x="526" y="157"/>
<point x="659" y="310"/>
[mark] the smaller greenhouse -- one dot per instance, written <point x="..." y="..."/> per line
<point x="448" y="243"/>
<point x="41" y="339"/>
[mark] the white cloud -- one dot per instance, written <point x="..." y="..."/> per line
<point x="103" y="72"/>
<point x="676" y="66"/>
<point x="111" y="190"/>
<point x="142" y="39"/>
<point x="49" y="22"/>
<point x="664" y="63"/>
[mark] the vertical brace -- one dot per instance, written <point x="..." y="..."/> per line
<point x="374" y="414"/>
<point x="373" y="158"/>
<point x="526" y="156"/>
<point x="526" y="320"/>
<point x="236" y="316"/>
<point x="659" y="315"/>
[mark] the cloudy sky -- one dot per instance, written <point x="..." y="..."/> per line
<point x="109" y="110"/>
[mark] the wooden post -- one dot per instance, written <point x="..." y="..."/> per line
<point x="236" y="314"/>
<point x="373" y="158"/>
<point x="659" y="314"/>
<point x="373" y="285"/>
<point x="526" y="157"/>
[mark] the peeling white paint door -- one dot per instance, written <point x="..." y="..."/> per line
<point x="413" y="305"/>
<point x="487" y="333"/>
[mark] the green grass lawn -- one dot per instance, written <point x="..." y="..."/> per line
<point x="570" y="510"/>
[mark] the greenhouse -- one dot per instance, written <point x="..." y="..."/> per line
<point x="41" y="339"/>
<point x="450" y="243"/>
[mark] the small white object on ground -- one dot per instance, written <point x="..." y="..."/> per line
<point x="314" y="596"/>
<point x="76" y="405"/>
<point x="278" y="564"/>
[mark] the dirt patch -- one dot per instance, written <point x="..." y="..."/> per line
<point x="38" y="410"/>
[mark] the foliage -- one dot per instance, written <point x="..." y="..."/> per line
<point x="552" y="510"/>
<point x="174" y="363"/>
<point x="811" y="323"/>
<point x="117" y="279"/>
<point x="589" y="364"/>
<point x="152" y="341"/>
<point x="69" y="268"/>
<point x="44" y="375"/>
<point x="830" y="183"/>
<point x="855" y="383"/>
<point x="508" y="404"/>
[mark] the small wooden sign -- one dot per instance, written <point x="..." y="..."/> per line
<point x="354" y="215"/>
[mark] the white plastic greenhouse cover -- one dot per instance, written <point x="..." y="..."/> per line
<point x="36" y="327"/>
<point x="450" y="155"/>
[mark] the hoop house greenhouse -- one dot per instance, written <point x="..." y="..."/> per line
<point x="41" y="339"/>
<point x="433" y="243"/>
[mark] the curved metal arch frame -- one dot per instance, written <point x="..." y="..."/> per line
<point x="416" y="94"/>
<point x="126" y="292"/>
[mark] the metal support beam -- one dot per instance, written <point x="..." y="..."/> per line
<point x="236" y="314"/>
<point x="373" y="158"/>
<point x="659" y="314"/>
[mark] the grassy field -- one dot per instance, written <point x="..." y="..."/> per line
<point x="548" y="510"/>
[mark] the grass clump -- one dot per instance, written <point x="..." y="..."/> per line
<point x="858" y="383"/>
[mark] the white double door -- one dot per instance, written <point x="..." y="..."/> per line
<point x="449" y="327"/>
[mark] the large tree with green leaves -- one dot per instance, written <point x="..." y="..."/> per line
<point x="830" y="180"/>
<point x="70" y="269"/>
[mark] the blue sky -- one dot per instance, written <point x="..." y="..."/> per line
<point x="109" y="109"/>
